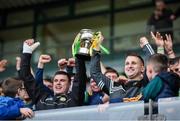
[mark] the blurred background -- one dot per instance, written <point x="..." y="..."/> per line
<point x="55" y="23"/>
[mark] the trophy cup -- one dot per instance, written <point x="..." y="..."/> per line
<point x="86" y="36"/>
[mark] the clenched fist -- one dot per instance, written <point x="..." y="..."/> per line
<point x="29" y="46"/>
<point x="43" y="59"/>
<point x="71" y="62"/>
<point x="143" y="41"/>
<point x="62" y="63"/>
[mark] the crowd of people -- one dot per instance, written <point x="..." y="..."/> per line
<point x="156" y="76"/>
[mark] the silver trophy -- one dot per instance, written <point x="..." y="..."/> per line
<point x="86" y="36"/>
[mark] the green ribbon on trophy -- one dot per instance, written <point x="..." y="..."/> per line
<point x="77" y="44"/>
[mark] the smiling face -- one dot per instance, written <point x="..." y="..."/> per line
<point x="61" y="84"/>
<point x="133" y="68"/>
<point x="94" y="86"/>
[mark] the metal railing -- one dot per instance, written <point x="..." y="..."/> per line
<point x="168" y="108"/>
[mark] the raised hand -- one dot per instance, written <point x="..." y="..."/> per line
<point x="29" y="46"/>
<point x="168" y="45"/>
<point x="143" y="41"/>
<point x="62" y="63"/>
<point x="158" y="39"/>
<point x="97" y="40"/>
<point x="3" y="64"/>
<point x="43" y="59"/>
<point x="71" y="62"/>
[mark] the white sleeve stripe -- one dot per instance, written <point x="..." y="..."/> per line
<point x="147" y="45"/>
<point x="150" y="49"/>
<point x="101" y="84"/>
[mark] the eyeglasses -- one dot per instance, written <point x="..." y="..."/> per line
<point x="22" y="88"/>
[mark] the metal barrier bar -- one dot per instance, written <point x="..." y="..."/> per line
<point x="169" y="109"/>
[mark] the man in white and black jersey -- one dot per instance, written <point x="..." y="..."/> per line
<point x="134" y="69"/>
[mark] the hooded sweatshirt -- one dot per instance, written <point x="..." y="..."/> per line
<point x="163" y="85"/>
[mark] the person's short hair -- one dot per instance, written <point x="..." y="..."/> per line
<point x="62" y="73"/>
<point x="48" y="78"/>
<point x="111" y="70"/>
<point x="135" y="55"/>
<point x="10" y="86"/>
<point x="173" y="61"/>
<point x="159" y="62"/>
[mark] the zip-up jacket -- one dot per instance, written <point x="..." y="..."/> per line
<point x="44" y="100"/>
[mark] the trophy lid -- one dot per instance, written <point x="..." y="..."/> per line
<point x="86" y="33"/>
<point x="86" y="30"/>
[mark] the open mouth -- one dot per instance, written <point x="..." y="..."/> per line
<point x="58" y="87"/>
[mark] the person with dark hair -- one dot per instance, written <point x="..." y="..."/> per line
<point x="162" y="83"/>
<point x="174" y="65"/>
<point x="162" y="19"/>
<point x="62" y="98"/>
<point x="67" y="65"/>
<point x="94" y="95"/>
<point x="114" y="76"/>
<point x="11" y="104"/>
<point x="111" y="73"/>
<point x="134" y="68"/>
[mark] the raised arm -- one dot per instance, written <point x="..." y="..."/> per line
<point x="158" y="39"/>
<point x="43" y="59"/>
<point x="33" y="89"/>
<point x="62" y="64"/>
<point x="70" y="66"/>
<point x="168" y="45"/>
<point x="144" y="44"/>
<point x="80" y="78"/>
<point x="79" y="83"/>
<point x="66" y="65"/>
<point x="95" y="70"/>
